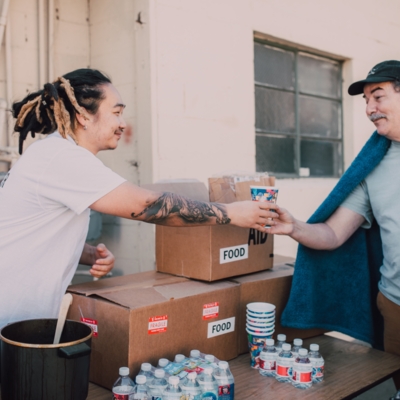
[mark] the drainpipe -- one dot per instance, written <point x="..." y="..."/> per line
<point x="3" y="18"/>
<point x="50" y="40"/>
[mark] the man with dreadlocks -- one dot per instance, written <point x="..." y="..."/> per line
<point x="46" y="198"/>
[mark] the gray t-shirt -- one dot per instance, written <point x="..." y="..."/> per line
<point x="378" y="196"/>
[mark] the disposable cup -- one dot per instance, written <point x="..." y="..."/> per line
<point x="254" y="320"/>
<point x="256" y="343"/>
<point x="255" y="329"/>
<point x="264" y="193"/>
<point x="261" y="309"/>
<point x="260" y="325"/>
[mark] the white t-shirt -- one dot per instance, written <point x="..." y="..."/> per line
<point x="378" y="197"/>
<point x="44" y="219"/>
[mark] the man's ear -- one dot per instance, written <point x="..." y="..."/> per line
<point x="82" y="118"/>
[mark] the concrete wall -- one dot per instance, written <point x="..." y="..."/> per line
<point x="185" y="70"/>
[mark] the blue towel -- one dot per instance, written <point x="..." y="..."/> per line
<point x="337" y="289"/>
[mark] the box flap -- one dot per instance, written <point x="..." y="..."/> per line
<point x="121" y="283"/>
<point x="193" y="189"/>
<point x="191" y="288"/>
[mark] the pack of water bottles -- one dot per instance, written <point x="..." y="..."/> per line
<point x="292" y="364"/>
<point x="197" y="377"/>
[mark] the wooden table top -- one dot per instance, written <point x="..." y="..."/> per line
<point x="350" y="369"/>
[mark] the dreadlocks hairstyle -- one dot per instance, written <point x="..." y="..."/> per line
<point x="55" y="106"/>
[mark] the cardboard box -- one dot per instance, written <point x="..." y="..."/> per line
<point x="209" y="253"/>
<point x="231" y="188"/>
<point x="146" y="316"/>
<point x="271" y="286"/>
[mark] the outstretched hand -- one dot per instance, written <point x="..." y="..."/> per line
<point x="104" y="261"/>
<point x="256" y="215"/>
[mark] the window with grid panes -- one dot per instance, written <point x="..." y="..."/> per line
<point x="298" y="101"/>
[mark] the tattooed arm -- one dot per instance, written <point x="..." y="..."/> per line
<point x="171" y="205"/>
<point x="133" y="202"/>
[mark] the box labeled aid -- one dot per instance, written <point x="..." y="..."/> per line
<point x="209" y="253"/>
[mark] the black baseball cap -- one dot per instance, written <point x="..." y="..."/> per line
<point x="383" y="72"/>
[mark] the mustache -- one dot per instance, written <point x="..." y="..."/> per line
<point x="374" y="117"/>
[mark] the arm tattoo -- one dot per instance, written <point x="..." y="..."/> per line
<point x="191" y="211"/>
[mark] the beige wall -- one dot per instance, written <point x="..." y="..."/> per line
<point x="185" y="70"/>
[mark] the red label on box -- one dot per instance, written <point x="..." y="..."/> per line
<point x="158" y="324"/>
<point x="92" y="323"/>
<point x="210" y="310"/>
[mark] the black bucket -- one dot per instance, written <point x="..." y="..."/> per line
<point x="32" y="368"/>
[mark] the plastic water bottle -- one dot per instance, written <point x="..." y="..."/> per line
<point x="176" y="367"/>
<point x="268" y="357"/>
<point x="162" y="363"/>
<point x="297" y="343"/>
<point x="209" y="358"/>
<point x="225" y="380"/>
<point x="140" y="391"/>
<point x="172" y="391"/>
<point x="281" y="338"/>
<point x="145" y="369"/>
<point x="179" y="358"/>
<point x="284" y="364"/>
<point x="302" y="371"/>
<point x="317" y="362"/>
<point x="157" y="385"/>
<point x="124" y="387"/>
<point x="208" y="384"/>
<point x="191" y="388"/>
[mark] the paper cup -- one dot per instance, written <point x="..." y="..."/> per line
<point x="257" y="325"/>
<point x="258" y="330"/>
<point x="264" y="193"/>
<point x="256" y="321"/>
<point x="261" y="310"/>
<point x="256" y="343"/>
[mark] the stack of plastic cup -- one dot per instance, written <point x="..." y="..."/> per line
<point x="260" y="326"/>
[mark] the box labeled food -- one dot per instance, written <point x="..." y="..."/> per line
<point x="272" y="286"/>
<point x="209" y="253"/>
<point x="147" y="316"/>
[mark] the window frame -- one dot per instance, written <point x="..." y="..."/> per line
<point x="296" y="50"/>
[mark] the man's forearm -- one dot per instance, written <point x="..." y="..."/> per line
<point x="316" y="236"/>
<point x="173" y="209"/>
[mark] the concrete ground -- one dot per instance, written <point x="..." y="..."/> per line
<point x="383" y="391"/>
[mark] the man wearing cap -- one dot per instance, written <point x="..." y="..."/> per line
<point x="373" y="197"/>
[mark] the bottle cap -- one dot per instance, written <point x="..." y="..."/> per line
<point x="208" y="370"/>
<point x="159" y="373"/>
<point x="298" y="342"/>
<point x="303" y="352"/>
<point x="194" y="353"/>
<point x="140" y="379"/>
<point x="209" y="358"/>
<point x="270" y="342"/>
<point x="124" y="371"/>
<point x="286" y="346"/>
<point x="192" y="375"/>
<point x="173" y="380"/>
<point x="223" y="365"/>
<point x="281" y="337"/>
<point x="163" y="362"/>
<point x="179" y="358"/>
<point x="146" y="367"/>
<point x="314" y="347"/>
